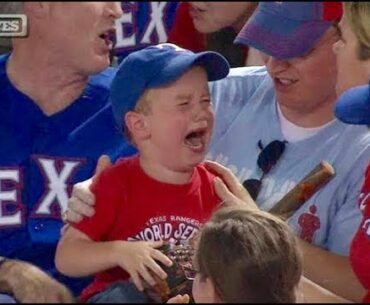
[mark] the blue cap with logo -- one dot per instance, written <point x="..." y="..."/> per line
<point x="353" y="106"/>
<point x="155" y="66"/>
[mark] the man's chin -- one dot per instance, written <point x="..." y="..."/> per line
<point x="99" y="65"/>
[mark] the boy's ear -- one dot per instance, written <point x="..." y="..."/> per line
<point x="137" y="124"/>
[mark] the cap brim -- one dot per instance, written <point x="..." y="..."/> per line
<point x="353" y="106"/>
<point x="282" y="38"/>
<point x="216" y="66"/>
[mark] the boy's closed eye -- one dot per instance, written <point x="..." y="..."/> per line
<point x="183" y="100"/>
<point x="185" y="103"/>
<point x="207" y="100"/>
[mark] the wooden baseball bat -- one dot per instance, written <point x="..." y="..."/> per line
<point x="308" y="186"/>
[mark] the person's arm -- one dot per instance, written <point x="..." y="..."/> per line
<point x="310" y="292"/>
<point x="331" y="271"/>
<point x="77" y="255"/>
<point x="326" y="268"/>
<point x="29" y="284"/>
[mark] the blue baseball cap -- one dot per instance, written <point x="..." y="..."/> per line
<point x="155" y="66"/>
<point x="288" y="29"/>
<point x="353" y="106"/>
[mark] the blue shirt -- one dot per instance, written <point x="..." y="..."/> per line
<point x="41" y="157"/>
<point x="246" y="112"/>
<point x="143" y="24"/>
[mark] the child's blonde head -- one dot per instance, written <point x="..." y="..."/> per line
<point x="142" y="106"/>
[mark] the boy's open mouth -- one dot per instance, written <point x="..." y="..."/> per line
<point x="196" y="138"/>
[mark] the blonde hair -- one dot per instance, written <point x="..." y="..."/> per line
<point x="142" y="106"/>
<point x="358" y="17"/>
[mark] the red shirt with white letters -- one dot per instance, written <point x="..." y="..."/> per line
<point x="132" y="206"/>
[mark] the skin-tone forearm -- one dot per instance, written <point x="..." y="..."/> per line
<point x="93" y="257"/>
<point x="29" y="284"/>
<point x="78" y="255"/>
<point x="5" y="285"/>
<point x="337" y="275"/>
<point x="329" y="270"/>
<point x="313" y="293"/>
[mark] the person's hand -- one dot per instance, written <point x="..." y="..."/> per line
<point x="139" y="258"/>
<point x="29" y="284"/>
<point x="179" y="299"/>
<point x="82" y="200"/>
<point x="228" y="188"/>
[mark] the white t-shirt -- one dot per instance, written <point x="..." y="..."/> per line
<point x="294" y="133"/>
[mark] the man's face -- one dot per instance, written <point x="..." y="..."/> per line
<point x="351" y="71"/>
<point x="80" y="33"/>
<point x="304" y="84"/>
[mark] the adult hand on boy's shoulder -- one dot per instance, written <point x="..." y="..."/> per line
<point x="81" y="203"/>
<point x="227" y="186"/>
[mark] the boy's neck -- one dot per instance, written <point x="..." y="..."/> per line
<point x="163" y="174"/>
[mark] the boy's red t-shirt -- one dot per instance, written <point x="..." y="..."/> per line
<point x="132" y="206"/>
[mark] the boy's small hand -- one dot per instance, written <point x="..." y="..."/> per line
<point x="138" y="257"/>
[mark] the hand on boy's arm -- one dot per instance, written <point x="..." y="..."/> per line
<point x="81" y="203"/>
<point x="228" y="188"/>
<point x="139" y="258"/>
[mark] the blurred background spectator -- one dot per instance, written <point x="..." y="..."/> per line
<point x="213" y="26"/>
<point x="197" y="26"/>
